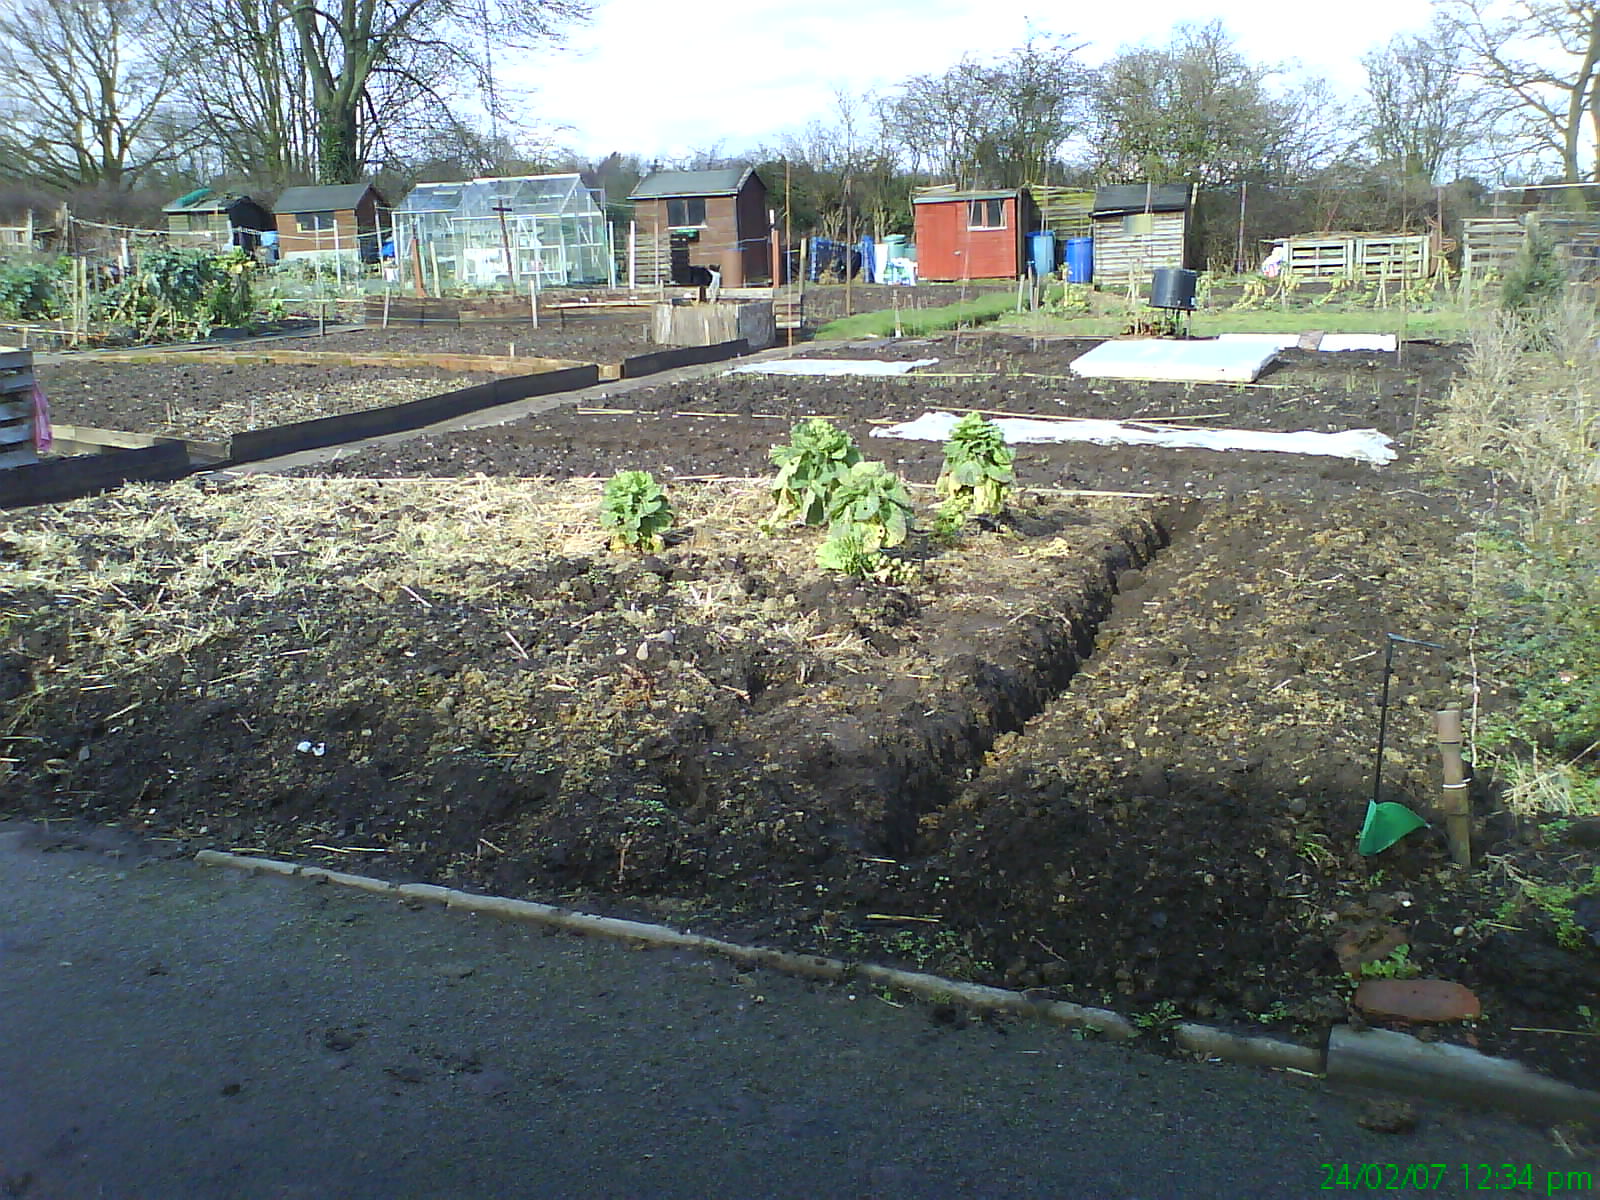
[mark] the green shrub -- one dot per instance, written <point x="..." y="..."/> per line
<point x="185" y="289"/>
<point x="636" y="510"/>
<point x="977" y="471"/>
<point x="871" y="502"/>
<point x="31" y="291"/>
<point x="809" y="468"/>
<point x="1535" y="280"/>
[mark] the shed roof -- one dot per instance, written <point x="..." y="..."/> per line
<point x="939" y="195"/>
<point x="1141" y="197"/>
<point x="204" y="200"/>
<point x="327" y="198"/>
<point x="662" y="185"/>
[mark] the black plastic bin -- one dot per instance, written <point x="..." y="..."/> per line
<point x="1173" y="287"/>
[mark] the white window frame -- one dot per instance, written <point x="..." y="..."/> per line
<point x="982" y="214"/>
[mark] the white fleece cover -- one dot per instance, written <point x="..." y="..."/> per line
<point x="1198" y="361"/>
<point x="1386" y="343"/>
<point x="1362" y="445"/>
<point x="831" y="366"/>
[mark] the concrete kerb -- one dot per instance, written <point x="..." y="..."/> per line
<point x="1381" y="1059"/>
<point x="811" y="966"/>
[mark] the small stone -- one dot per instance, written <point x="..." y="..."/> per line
<point x="1388" y="1116"/>
<point x="1431" y="1000"/>
<point x="340" y="1039"/>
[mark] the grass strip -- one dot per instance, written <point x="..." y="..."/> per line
<point x="914" y="322"/>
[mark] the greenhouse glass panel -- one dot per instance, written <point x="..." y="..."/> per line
<point x="459" y="234"/>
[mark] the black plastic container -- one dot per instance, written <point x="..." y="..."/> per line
<point x="1173" y="287"/>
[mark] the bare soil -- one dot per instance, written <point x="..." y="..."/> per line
<point x="1113" y="747"/>
<point x="209" y="401"/>
<point x="600" y="335"/>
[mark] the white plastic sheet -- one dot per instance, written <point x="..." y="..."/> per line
<point x="1183" y="361"/>
<point x="831" y="366"/>
<point x="1362" y="445"/>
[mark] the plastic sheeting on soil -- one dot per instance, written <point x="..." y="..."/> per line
<point x="1183" y="362"/>
<point x="1385" y="343"/>
<point x="1362" y="445"/>
<point x="832" y="366"/>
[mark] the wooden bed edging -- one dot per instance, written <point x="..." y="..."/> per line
<point x="320" y="432"/>
<point x="57" y="479"/>
<point x="682" y="356"/>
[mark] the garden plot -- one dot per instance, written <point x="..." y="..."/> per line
<point x="725" y="424"/>
<point x="1114" y="747"/>
<point x="209" y="402"/>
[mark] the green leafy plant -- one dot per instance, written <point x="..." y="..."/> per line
<point x="871" y="502"/>
<point x="818" y="455"/>
<point x="1559" y="902"/>
<point x="847" y="553"/>
<point x="30" y="291"/>
<point x="636" y="510"/>
<point x="1397" y="965"/>
<point x="977" y="465"/>
<point x="1164" y="1014"/>
<point x="191" y="291"/>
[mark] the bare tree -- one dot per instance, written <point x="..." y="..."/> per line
<point x="1422" y="112"/>
<point x="1539" y="63"/>
<point x="361" y="55"/>
<point x="246" y="88"/>
<point x="1002" y="122"/>
<point x="1196" y="110"/>
<point x="84" y="88"/>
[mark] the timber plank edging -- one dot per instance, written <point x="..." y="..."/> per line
<point x="682" y="356"/>
<point x="58" y="479"/>
<point x="321" y="432"/>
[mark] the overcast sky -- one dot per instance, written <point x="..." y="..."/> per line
<point x="661" y="79"/>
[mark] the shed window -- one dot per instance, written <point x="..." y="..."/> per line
<point x="686" y="212"/>
<point x="986" y="214"/>
<point x="316" y="220"/>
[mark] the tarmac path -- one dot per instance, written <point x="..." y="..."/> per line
<point x="168" y="1031"/>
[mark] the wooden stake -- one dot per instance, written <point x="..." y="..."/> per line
<point x="1456" y="802"/>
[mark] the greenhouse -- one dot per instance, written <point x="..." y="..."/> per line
<point x="462" y="234"/>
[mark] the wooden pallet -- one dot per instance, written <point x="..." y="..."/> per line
<point x="16" y="409"/>
<point x="1360" y="256"/>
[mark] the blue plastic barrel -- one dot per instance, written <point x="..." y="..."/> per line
<point x="1042" y="251"/>
<point x="1080" y="260"/>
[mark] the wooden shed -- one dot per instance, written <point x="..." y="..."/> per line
<point x="1138" y="228"/>
<point x="347" y="218"/>
<point x="716" y="219"/>
<point x="971" y="233"/>
<point x="231" y="220"/>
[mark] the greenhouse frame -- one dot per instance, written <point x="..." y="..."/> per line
<point x="457" y="234"/>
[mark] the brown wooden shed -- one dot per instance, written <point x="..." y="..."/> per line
<point x="1139" y="227"/>
<point x="338" y="218"/>
<point x="231" y="220"/>
<point x="715" y="219"/>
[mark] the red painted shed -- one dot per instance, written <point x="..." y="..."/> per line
<point x="971" y="234"/>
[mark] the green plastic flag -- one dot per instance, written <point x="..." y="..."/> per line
<point x="1385" y="825"/>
